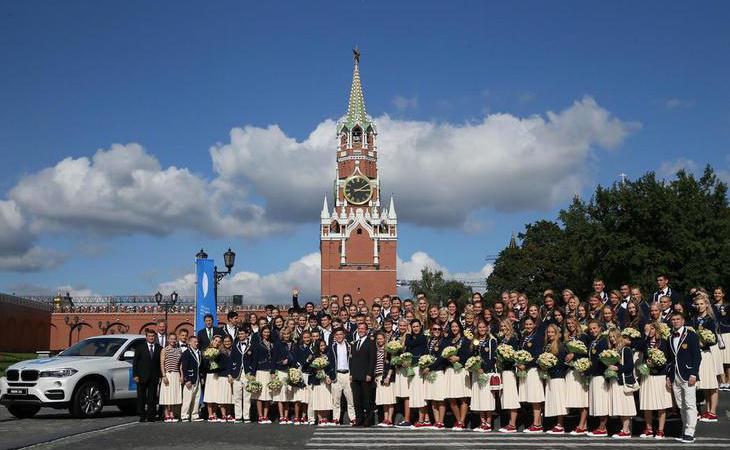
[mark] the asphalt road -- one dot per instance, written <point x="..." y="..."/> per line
<point x="57" y="430"/>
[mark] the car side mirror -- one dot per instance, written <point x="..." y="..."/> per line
<point x="129" y="354"/>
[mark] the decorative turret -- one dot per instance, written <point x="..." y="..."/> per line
<point x="392" y="217"/>
<point x="325" y="215"/>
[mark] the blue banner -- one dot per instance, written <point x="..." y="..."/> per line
<point x="204" y="292"/>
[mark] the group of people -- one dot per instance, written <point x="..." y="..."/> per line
<point x="612" y="356"/>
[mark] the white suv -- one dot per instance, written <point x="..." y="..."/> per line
<point x="83" y="378"/>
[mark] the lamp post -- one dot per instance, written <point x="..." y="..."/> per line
<point x="166" y="302"/>
<point x="229" y="259"/>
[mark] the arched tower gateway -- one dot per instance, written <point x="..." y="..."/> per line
<point x="357" y="237"/>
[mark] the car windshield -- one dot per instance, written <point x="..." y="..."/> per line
<point x="101" y="347"/>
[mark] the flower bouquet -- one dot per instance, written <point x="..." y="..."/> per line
<point x="664" y="330"/>
<point x="707" y="337"/>
<point x="275" y="383"/>
<point x="545" y="362"/>
<point x="394" y="347"/>
<point x="576" y="346"/>
<point x="609" y="357"/>
<point x="424" y="362"/>
<point x="406" y="363"/>
<point x="655" y="358"/>
<point x="631" y="333"/>
<point x="252" y="385"/>
<point x="294" y="377"/>
<point x="521" y="358"/>
<point x="448" y="353"/>
<point x="473" y="364"/>
<point x="211" y="354"/>
<point x="320" y="364"/>
<point x="505" y="355"/>
<point x="581" y="366"/>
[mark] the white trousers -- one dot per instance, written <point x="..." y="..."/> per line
<point x="686" y="397"/>
<point x="342" y="385"/>
<point x="241" y="399"/>
<point x="190" y="402"/>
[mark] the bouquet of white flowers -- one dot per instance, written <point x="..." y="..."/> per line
<point x="521" y="358"/>
<point x="576" y="346"/>
<point x="609" y="357"/>
<point x="664" y="330"/>
<point x="253" y="386"/>
<point x="448" y="353"/>
<point x="468" y="334"/>
<point x="505" y="353"/>
<point x="655" y="358"/>
<point x="581" y="366"/>
<point x="211" y="354"/>
<point x="319" y="364"/>
<point x="294" y="377"/>
<point x="275" y="383"/>
<point x="406" y="363"/>
<point x="631" y="333"/>
<point x="473" y="364"/>
<point x="545" y="362"/>
<point x="707" y="337"/>
<point x="425" y="361"/>
<point x="393" y="347"/>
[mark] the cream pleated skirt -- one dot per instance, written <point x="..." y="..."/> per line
<point x="599" y="397"/>
<point x="385" y="395"/>
<point x="263" y="377"/>
<point x="457" y="383"/>
<point x="555" y="397"/>
<point x="708" y="375"/>
<point x="717" y="357"/>
<point x="299" y="394"/>
<point x="436" y="390"/>
<point x="482" y="398"/>
<point x="653" y="393"/>
<point x="322" y="397"/>
<point x="530" y="387"/>
<point x="402" y="385"/>
<point x="417" y="390"/>
<point x="622" y="403"/>
<point x="281" y="395"/>
<point x="509" y="396"/>
<point x="225" y="391"/>
<point x="726" y="351"/>
<point x="171" y="393"/>
<point x="576" y="395"/>
<point x="212" y="386"/>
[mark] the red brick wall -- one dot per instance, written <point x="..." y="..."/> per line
<point x="23" y="328"/>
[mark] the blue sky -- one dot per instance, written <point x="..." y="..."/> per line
<point x="583" y="90"/>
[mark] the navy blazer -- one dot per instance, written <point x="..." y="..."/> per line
<point x="241" y="361"/>
<point x="595" y="347"/>
<point x="534" y="344"/>
<point x="487" y="350"/>
<point x="643" y="346"/>
<point x="190" y="366"/>
<point x="463" y="348"/>
<point x="722" y="314"/>
<point x="282" y="352"/>
<point x="435" y="349"/>
<point x="333" y="350"/>
<point x="513" y="342"/>
<point x="685" y="360"/>
<point x="417" y="345"/>
<point x="707" y="323"/>
<point x="263" y="358"/>
<point x="330" y="370"/>
<point x="626" y="366"/>
<point x="301" y="354"/>
<point x="561" y="368"/>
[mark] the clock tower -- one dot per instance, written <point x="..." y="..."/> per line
<point x="357" y="237"/>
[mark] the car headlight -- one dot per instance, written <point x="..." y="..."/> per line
<point x="58" y="373"/>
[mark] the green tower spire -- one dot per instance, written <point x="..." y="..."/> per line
<point x="356" y="114"/>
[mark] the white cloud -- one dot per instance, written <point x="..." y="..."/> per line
<point x="18" y="251"/>
<point x="678" y="103"/>
<point x="38" y="290"/>
<point x="668" y="169"/>
<point x="439" y="172"/>
<point x="304" y="273"/>
<point x="402" y="103"/>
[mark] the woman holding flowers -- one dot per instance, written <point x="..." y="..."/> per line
<point x="599" y="399"/>
<point x="457" y="379"/>
<point x="622" y="399"/>
<point x="402" y="381"/>
<point x="300" y="393"/>
<point x="263" y="367"/>
<point x="530" y="385"/>
<point x="416" y="344"/>
<point x="435" y="379"/>
<point x="509" y="397"/>
<point x="321" y="370"/>
<point x="384" y="378"/>
<point x="283" y="359"/>
<point x="576" y="378"/>
<point x="722" y="314"/>
<point x="482" y="397"/>
<point x="552" y="364"/>
<point x="704" y="325"/>
<point x="213" y="366"/>
<point x="225" y="382"/>
<point x="653" y="392"/>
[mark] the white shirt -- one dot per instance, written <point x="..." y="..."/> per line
<point x="231" y="331"/>
<point x="326" y="334"/>
<point x="342" y="362"/>
<point x="675" y="340"/>
<point x="162" y="340"/>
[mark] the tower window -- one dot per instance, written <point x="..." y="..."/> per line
<point x="357" y="135"/>
<point x="359" y="231"/>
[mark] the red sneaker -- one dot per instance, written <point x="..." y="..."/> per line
<point x="579" y="432"/>
<point x="439" y="425"/>
<point x="659" y="434"/>
<point x="647" y="433"/>
<point x="622" y="435"/>
<point x="533" y="429"/>
<point x="556" y="430"/>
<point x="508" y="429"/>
<point x="598" y="433"/>
<point x="458" y="426"/>
<point x="710" y="417"/>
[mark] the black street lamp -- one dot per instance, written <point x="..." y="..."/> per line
<point x="166" y="303"/>
<point x="229" y="259"/>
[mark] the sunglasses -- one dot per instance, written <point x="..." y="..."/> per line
<point x="435" y="329"/>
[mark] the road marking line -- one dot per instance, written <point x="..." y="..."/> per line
<point x="79" y="435"/>
<point x="523" y="444"/>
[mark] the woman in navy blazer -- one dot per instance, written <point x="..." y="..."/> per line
<point x="482" y="397"/>
<point x="321" y="391"/>
<point x="705" y="320"/>
<point x="263" y="367"/>
<point x="530" y="387"/>
<point x="622" y="401"/>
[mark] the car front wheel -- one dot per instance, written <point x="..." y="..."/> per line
<point x="88" y="400"/>
<point x="23" y="411"/>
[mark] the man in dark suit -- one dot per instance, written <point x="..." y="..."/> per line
<point x="146" y="373"/>
<point x="662" y="282"/>
<point x="683" y="366"/>
<point x="206" y="334"/>
<point x="230" y="329"/>
<point x="362" y="373"/>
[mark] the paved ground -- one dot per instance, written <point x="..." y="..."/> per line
<point x="57" y="430"/>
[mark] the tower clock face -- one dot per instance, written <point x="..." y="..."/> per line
<point x="358" y="190"/>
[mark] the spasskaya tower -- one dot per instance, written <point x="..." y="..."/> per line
<point x="357" y="237"/>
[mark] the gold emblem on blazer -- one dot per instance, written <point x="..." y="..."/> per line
<point x="594" y="351"/>
<point x="684" y="346"/>
<point x="529" y="344"/>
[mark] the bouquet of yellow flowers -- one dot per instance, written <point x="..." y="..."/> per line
<point x="545" y="362"/>
<point x="609" y="357"/>
<point x="656" y="358"/>
<point x="521" y="358"/>
<point x="707" y="337"/>
<point x="505" y="352"/>
<point x="664" y="330"/>
<point x="468" y="334"/>
<point x="448" y="353"/>
<point x="275" y="383"/>
<point x="473" y="364"/>
<point x="425" y="361"/>
<point x="406" y="363"/>
<point x="320" y="364"/>
<point x="582" y="365"/>
<point x="631" y="333"/>
<point x="294" y="377"/>
<point x="576" y="346"/>
<point x="252" y="385"/>
<point x="211" y="354"/>
<point x="393" y="347"/>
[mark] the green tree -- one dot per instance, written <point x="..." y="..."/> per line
<point x="438" y="290"/>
